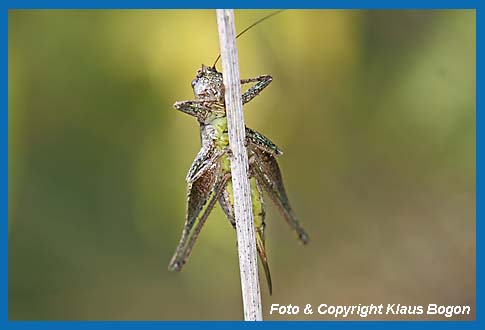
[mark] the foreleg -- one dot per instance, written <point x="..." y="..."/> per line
<point x="261" y="83"/>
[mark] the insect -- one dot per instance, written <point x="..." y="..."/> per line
<point x="209" y="177"/>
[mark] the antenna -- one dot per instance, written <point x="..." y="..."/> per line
<point x="249" y="27"/>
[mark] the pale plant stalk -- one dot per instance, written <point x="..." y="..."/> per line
<point x="246" y="240"/>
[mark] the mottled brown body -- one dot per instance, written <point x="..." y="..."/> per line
<point x="209" y="176"/>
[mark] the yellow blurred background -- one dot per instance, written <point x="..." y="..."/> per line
<point x="375" y="113"/>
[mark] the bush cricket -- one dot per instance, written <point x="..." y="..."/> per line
<point x="209" y="177"/>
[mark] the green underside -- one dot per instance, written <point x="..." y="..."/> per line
<point x="220" y="125"/>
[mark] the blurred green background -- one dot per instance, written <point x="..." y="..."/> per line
<point x="375" y="112"/>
